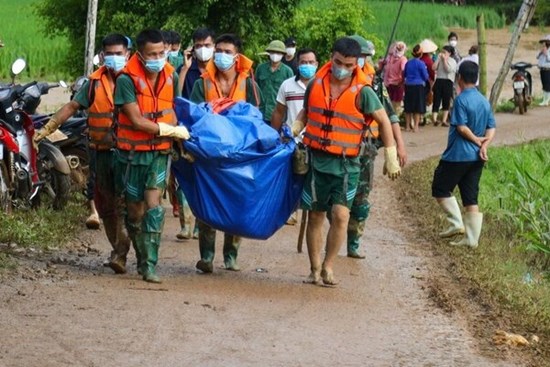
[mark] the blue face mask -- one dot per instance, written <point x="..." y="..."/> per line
<point x="361" y="62"/>
<point x="340" y="73"/>
<point x="223" y="61"/>
<point x="115" y="62"/>
<point x="307" y="70"/>
<point x="156" y="65"/>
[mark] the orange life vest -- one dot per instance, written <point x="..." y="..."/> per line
<point x="100" y="112"/>
<point x="370" y="72"/>
<point x="156" y="106"/>
<point x="212" y="89"/>
<point x="335" y="125"/>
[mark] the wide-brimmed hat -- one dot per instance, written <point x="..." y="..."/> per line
<point x="428" y="46"/>
<point x="276" y="46"/>
<point x="545" y="39"/>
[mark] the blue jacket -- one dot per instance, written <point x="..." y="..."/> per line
<point x="415" y="72"/>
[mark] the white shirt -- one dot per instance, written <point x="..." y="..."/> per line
<point x="291" y="94"/>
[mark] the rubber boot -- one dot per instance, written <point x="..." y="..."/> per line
<point x="119" y="242"/>
<point x="454" y="217"/>
<point x="152" y="224"/>
<point x="92" y="222"/>
<point x="184" y="216"/>
<point x="473" y="222"/>
<point x="134" y="231"/>
<point x="231" y="246"/>
<point x="545" y="99"/>
<point x="196" y="230"/>
<point x="207" y="248"/>
<point x="355" y="232"/>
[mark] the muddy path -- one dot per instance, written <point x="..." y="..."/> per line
<point x="71" y="311"/>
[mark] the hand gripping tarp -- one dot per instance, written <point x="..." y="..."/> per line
<point x="241" y="181"/>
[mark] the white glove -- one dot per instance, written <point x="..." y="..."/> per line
<point x="391" y="163"/>
<point x="178" y="132"/>
<point x="297" y="126"/>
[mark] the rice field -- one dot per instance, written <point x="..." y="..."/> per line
<point x="22" y="35"/>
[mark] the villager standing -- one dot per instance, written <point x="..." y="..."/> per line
<point x="543" y="62"/>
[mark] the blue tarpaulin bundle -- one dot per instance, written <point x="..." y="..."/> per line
<point x="241" y="181"/>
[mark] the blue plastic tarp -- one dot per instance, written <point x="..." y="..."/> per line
<point x="241" y="181"/>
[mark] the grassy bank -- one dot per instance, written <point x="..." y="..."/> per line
<point x="22" y="35"/>
<point x="510" y="266"/>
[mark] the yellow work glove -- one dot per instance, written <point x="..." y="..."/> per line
<point x="297" y="127"/>
<point x="391" y="163"/>
<point x="49" y="128"/>
<point x="178" y="132"/>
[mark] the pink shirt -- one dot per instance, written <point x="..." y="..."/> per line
<point x="393" y="72"/>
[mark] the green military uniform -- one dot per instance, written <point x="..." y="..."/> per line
<point x="269" y="82"/>
<point x="135" y="172"/>
<point x="330" y="173"/>
<point x="108" y="205"/>
<point x="361" y="206"/>
<point x="207" y="234"/>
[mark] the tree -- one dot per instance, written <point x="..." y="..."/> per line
<point x="256" y="21"/>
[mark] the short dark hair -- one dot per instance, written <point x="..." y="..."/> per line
<point x="166" y="36"/>
<point x="175" y="38"/>
<point x="148" y="36"/>
<point x="468" y="71"/>
<point x="202" y="34"/>
<point x="230" y="38"/>
<point x="305" y="50"/>
<point x="115" y="39"/>
<point x="347" y="47"/>
<point x="450" y="49"/>
<point x="451" y="35"/>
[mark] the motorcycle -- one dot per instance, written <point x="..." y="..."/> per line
<point x="27" y="174"/>
<point x="522" y="82"/>
<point x="71" y="137"/>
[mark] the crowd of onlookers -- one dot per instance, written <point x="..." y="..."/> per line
<point x="427" y="78"/>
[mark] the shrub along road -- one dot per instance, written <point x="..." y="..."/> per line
<point x="72" y="311"/>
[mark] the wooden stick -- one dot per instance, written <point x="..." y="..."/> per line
<point x="303" y="224"/>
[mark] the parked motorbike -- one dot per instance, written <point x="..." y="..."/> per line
<point x="522" y="85"/>
<point x="27" y="174"/>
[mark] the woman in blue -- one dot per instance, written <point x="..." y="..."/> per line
<point x="416" y="76"/>
<point x="472" y="130"/>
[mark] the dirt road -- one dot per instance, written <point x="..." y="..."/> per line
<point x="74" y="312"/>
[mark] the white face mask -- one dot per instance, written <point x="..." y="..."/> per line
<point x="275" y="57"/>
<point x="204" y="53"/>
<point x="453" y="43"/>
<point x="290" y="51"/>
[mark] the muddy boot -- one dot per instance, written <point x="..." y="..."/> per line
<point x="134" y="231"/>
<point x="231" y="246"/>
<point x="119" y="242"/>
<point x="152" y="224"/>
<point x="454" y="217"/>
<point x="473" y="222"/>
<point x="92" y="222"/>
<point x="207" y="248"/>
<point x="355" y="231"/>
<point x="196" y="230"/>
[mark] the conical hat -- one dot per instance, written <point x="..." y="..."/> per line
<point x="428" y="46"/>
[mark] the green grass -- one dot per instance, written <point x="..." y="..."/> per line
<point x="41" y="228"/>
<point x="22" y="35"/>
<point x="420" y="20"/>
<point x="506" y="267"/>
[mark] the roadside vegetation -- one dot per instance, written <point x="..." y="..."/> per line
<point x="23" y="36"/>
<point x="512" y="264"/>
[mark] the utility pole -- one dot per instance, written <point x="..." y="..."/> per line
<point x="524" y="16"/>
<point x="91" y="20"/>
<point x="482" y="53"/>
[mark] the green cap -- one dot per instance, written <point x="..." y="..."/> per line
<point x="276" y="46"/>
<point x="367" y="47"/>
